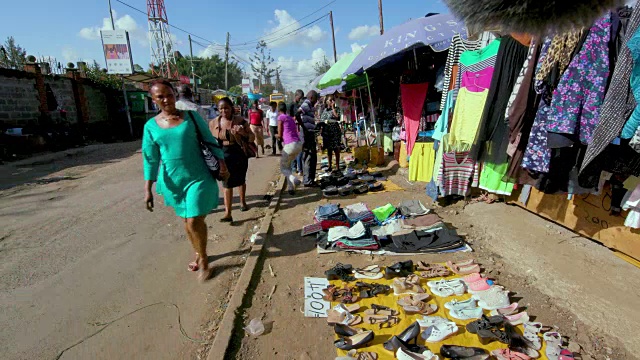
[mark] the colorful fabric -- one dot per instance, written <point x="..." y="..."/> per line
<point x="413" y="96"/>
<point x="630" y="127"/>
<point x="289" y="129"/>
<point x="575" y="107"/>
<point x="458" y="46"/>
<point x="477" y="81"/>
<point x="382" y="213"/>
<point x="466" y="119"/>
<point x="256" y="117"/>
<point x="421" y="162"/>
<point x="476" y="61"/>
<point x="491" y="179"/>
<point x="457" y="172"/>
<point x="183" y="180"/>
<point x="258" y="131"/>
<point x="560" y="51"/>
<point x="537" y="155"/>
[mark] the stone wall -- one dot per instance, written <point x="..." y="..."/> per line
<point x="97" y="107"/>
<point x="19" y="101"/>
<point x="62" y="88"/>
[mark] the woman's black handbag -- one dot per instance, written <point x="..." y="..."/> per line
<point x="207" y="153"/>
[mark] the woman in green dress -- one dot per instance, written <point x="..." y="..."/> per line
<point x="183" y="178"/>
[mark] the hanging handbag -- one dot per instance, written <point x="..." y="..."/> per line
<point x="206" y="148"/>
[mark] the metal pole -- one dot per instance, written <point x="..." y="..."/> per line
<point x="226" y="64"/>
<point x="380" y="16"/>
<point x="124" y="89"/>
<point x="373" y="110"/>
<point x="333" y="34"/>
<point x="193" y="70"/>
<point x="113" y="24"/>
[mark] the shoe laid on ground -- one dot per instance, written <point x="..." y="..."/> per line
<point x="531" y="331"/>
<point x="400" y="269"/>
<point x="410" y="334"/>
<point x="509" y="310"/>
<point x="346" y="330"/>
<point x="355" y="342"/>
<point x="458" y="264"/>
<point x="485" y="323"/>
<point x="471" y="278"/>
<point x="459" y="305"/>
<point x="439" y="332"/>
<point x="452" y="282"/>
<point x="372" y="272"/>
<point x="446" y="288"/>
<point x="465" y="269"/>
<point x="413" y="307"/>
<point x="462" y="352"/>
<point x="466" y="314"/>
<point x="427" y="321"/>
<point x="517" y="319"/>
<point x="494" y="300"/>
<point x="340" y="272"/>
<point x="401" y="287"/>
<point x="405" y="354"/>
<point x="478" y="286"/>
<point x="553" y="340"/>
<point x="506" y="354"/>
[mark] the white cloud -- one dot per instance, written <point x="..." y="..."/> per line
<point x="355" y="47"/>
<point x="126" y="22"/>
<point x="297" y="74"/>
<point x="363" y="32"/>
<point x="284" y="24"/>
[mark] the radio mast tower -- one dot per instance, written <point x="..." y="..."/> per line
<point x="163" y="61"/>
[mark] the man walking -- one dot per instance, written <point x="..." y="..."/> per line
<point x="309" y="151"/>
<point x="185" y="101"/>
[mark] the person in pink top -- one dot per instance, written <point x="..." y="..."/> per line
<point x="292" y="145"/>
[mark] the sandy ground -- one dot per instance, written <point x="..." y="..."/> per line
<point x="83" y="266"/>
<point x="562" y="279"/>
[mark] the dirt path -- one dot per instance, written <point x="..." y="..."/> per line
<point x="562" y="279"/>
<point x="78" y="251"/>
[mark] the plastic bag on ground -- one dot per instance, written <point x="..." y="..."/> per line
<point x="255" y="327"/>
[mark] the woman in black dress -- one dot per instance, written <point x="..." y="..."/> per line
<point x="233" y="131"/>
<point x="331" y="132"/>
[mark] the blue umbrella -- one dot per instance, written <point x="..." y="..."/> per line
<point x="435" y="31"/>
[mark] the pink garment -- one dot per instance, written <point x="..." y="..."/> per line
<point x="413" y="96"/>
<point x="477" y="81"/>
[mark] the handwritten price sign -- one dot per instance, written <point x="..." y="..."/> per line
<point x="314" y="305"/>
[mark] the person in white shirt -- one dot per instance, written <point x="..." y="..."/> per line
<point x="272" y="116"/>
<point x="186" y="103"/>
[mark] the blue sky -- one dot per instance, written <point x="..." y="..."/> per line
<point x="69" y="29"/>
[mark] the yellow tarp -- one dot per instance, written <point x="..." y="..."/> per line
<point x="462" y="338"/>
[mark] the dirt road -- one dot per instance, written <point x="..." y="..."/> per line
<point x="85" y="270"/>
<point x="560" y="278"/>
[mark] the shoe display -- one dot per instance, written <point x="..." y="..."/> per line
<point x="356" y="341"/>
<point x="479" y="286"/>
<point x="439" y="332"/>
<point x="459" y="305"/>
<point x="506" y="354"/>
<point x="466" y="314"/>
<point x="505" y="311"/>
<point x="401" y="286"/>
<point x="409" y="335"/>
<point x="406" y="354"/>
<point x="372" y="272"/>
<point x="446" y="288"/>
<point x="495" y="300"/>
<point x="401" y="269"/>
<point x="517" y="319"/>
<point x="340" y="272"/>
<point x="345" y="330"/>
<point x="418" y="307"/>
<point x="553" y="340"/>
<point x="462" y="352"/>
<point x="485" y="323"/>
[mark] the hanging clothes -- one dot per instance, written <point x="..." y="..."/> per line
<point x="421" y="162"/>
<point x="458" y="46"/>
<point x="477" y="62"/>
<point x="491" y="179"/>
<point x="575" y="106"/>
<point x="466" y="119"/>
<point x="413" y="96"/>
<point x="457" y="172"/>
<point x="617" y="106"/>
<point x="630" y="127"/>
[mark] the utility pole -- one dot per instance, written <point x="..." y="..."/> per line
<point x="226" y="64"/>
<point x="124" y="89"/>
<point x="333" y="34"/>
<point x="193" y="70"/>
<point x="380" y="15"/>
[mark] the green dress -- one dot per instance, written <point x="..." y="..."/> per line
<point x="183" y="178"/>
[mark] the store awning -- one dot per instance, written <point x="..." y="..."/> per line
<point x="435" y="31"/>
<point x="337" y="74"/>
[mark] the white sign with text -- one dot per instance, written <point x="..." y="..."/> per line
<point x="314" y="304"/>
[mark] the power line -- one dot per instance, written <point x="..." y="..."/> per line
<point x="173" y="26"/>
<point x="290" y="33"/>
<point x="281" y="29"/>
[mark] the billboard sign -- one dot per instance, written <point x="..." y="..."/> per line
<point x="246" y="86"/>
<point x="117" y="52"/>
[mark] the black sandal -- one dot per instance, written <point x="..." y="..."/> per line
<point x="244" y="208"/>
<point x="226" y="220"/>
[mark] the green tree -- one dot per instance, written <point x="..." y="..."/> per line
<point x="322" y="66"/>
<point x="236" y="89"/>
<point x="12" y="55"/>
<point x="100" y="76"/>
<point x="262" y="64"/>
<point x="210" y="70"/>
<point x="137" y="68"/>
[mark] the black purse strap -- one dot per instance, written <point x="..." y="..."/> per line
<point x="199" y="134"/>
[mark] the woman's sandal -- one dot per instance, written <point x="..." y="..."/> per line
<point x="336" y="317"/>
<point x="382" y="320"/>
<point x="226" y="219"/>
<point x="420" y="308"/>
<point x="245" y="208"/>
<point x="434" y="273"/>
<point x="381" y="310"/>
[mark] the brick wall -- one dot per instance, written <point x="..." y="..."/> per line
<point x="62" y="88"/>
<point x="19" y="101"/>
